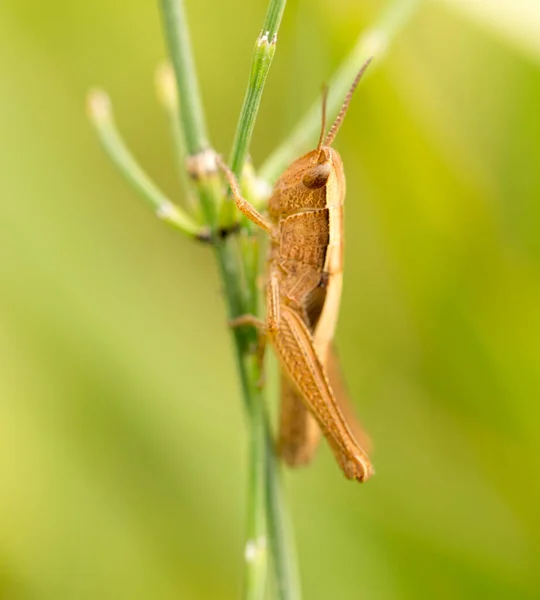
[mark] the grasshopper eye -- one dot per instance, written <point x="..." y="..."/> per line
<point x="317" y="176"/>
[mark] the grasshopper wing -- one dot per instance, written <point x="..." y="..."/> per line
<point x="341" y="392"/>
<point x="299" y="433"/>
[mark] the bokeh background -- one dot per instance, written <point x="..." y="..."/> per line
<point x="122" y="438"/>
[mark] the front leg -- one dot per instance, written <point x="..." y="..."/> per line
<point x="253" y="321"/>
<point x="241" y="203"/>
<point x="272" y="311"/>
<point x="264" y="329"/>
<point x="248" y="321"/>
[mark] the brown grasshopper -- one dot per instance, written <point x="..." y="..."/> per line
<point x="303" y="290"/>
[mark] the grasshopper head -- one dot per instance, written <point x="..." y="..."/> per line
<point x="314" y="181"/>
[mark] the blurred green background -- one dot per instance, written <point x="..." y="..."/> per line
<point x="122" y="438"/>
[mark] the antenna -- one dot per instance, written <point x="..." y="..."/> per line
<point x="323" y="121"/>
<point x="341" y="115"/>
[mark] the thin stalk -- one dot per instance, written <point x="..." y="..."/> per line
<point x="192" y="115"/>
<point x="374" y="42"/>
<point x="280" y="532"/>
<point x="265" y="47"/>
<point x="261" y="513"/>
<point x="168" y="96"/>
<point x="256" y="547"/>
<point x="255" y="552"/>
<point x="101" y="116"/>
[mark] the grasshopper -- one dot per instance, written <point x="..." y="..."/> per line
<point x="303" y="291"/>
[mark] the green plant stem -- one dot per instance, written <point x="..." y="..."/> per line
<point x="168" y="96"/>
<point x="191" y="115"/>
<point x="255" y="552"/>
<point x="280" y="532"/>
<point x="101" y="116"/>
<point x="265" y="47"/>
<point x="373" y="42"/>
<point x="256" y="548"/>
<point x="261" y="512"/>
